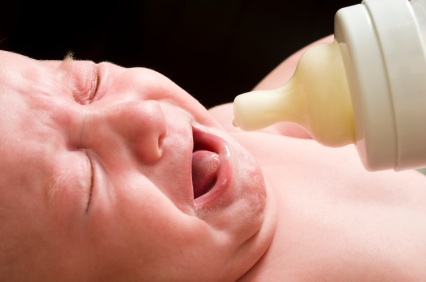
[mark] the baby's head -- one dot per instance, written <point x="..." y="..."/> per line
<point x="96" y="179"/>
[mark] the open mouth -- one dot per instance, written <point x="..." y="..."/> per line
<point x="205" y="164"/>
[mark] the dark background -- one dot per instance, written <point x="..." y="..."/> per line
<point x="214" y="49"/>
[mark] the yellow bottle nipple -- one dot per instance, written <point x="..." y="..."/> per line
<point x="317" y="97"/>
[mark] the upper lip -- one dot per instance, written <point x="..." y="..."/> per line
<point x="203" y="140"/>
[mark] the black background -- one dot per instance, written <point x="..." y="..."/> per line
<point x="214" y="49"/>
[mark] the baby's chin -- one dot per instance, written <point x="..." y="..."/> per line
<point x="262" y="209"/>
<point x="251" y="251"/>
<point x="251" y="213"/>
<point x="258" y="244"/>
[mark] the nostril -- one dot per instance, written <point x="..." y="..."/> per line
<point x="148" y="147"/>
<point x="159" y="149"/>
<point x="161" y="140"/>
<point x="142" y="126"/>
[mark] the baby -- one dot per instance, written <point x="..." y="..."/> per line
<point x="115" y="174"/>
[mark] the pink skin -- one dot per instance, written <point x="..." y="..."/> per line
<point x="96" y="179"/>
<point x="335" y="220"/>
<point x="98" y="188"/>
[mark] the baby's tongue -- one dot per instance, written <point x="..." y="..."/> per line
<point x="205" y="167"/>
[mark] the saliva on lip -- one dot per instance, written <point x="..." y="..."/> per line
<point x="316" y="97"/>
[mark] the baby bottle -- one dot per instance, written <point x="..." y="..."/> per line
<point x="367" y="88"/>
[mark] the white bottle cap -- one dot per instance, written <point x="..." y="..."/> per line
<point x="384" y="58"/>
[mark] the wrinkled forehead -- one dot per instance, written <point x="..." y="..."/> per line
<point x="20" y="76"/>
<point x="10" y="57"/>
<point x="17" y="69"/>
<point x="20" y="115"/>
<point x="17" y="62"/>
<point x="22" y="79"/>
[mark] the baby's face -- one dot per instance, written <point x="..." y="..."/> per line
<point x="99" y="167"/>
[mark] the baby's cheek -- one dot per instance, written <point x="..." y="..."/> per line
<point x="255" y="192"/>
<point x="252" y="198"/>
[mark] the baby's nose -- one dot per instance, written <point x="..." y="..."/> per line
<point x="140" y="126"/>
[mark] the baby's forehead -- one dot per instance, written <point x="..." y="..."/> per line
<point x="14" y="58"/>
<point x="22" y="62"/>
<point x="4" y="53"/>
<point x="17" y="69"/>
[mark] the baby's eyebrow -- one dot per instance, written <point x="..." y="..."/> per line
<point x="67" y="61"/>
<point x="69" y="56"/>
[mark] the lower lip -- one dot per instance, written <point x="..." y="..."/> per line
<point x="224" y="176"/>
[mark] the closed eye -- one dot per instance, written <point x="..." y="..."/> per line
<point x="91" y="182"/>
<point x="82" y="78"/>
<point x="94" y="85"/>
<point x="89" y="86"/>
